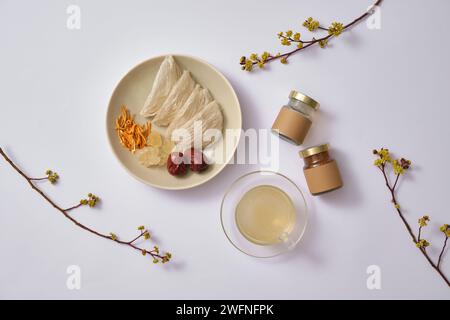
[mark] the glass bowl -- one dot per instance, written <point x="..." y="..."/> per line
<point x="235" y="193"/>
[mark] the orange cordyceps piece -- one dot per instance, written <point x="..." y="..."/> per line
<point x="131" y="135"/>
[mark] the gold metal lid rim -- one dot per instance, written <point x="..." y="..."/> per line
<point x="305" y="99"/>
<point x="314" y="150"/>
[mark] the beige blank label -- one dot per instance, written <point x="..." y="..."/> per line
<point x="292" y="124"/>
<point x="323" y="178"/>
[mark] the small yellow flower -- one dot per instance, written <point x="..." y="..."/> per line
<point x="52" y="176"/>
<point x="296" y="36"/>
<point x="248" y="65"/>
<point x="311" y="24"/>
<point x="422" y="244"/>
<point x="307" y="21"/>
<point x="323" y="43"/>
<point x="285" y="42"/>
<point x="283" y="60"/>
<point x="141" y="228"/>
<point x="113" y="236"/>
<point x="397" y="206"/>
<point x="289" y="33"/>
<point x="445" y="229"/>
<point x="336" y="29"/>
<point x="423" y="222"/>
<point x="378" y="162"/>
<point x="91" y="200"/>
<point x="398" y="168"/>
<point x="265" y="56"/>
<point x="146" y="235"/>
<point x="384" y="155"/>
<point x="254" y="57"/>
<point x="383" y="152"/>
<point x="300" y="45"/>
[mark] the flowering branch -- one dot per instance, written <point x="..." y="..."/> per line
<point x="90" y="201"/>
<point x="399" y="167"/>
<point x="289" y="37"/>
<point x="52" y="177"/>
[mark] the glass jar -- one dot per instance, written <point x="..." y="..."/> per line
<point x="321" y="170"/>
<point x="295" y="118"/>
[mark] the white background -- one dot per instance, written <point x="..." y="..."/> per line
<point x="377" y="88"/>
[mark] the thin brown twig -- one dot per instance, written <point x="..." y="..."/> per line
<point x="139" y="236"/>
<point x="442" y="252"/>
<point x="153" y="253"/>
<point x="73" y="207"/>
<point x="396" y="181"/>
<point x="39" y="179"/>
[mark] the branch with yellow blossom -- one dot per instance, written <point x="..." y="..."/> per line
<point x="90" y="201"/>
<point x="290" y="37"/>
<point x="384" y="162"/>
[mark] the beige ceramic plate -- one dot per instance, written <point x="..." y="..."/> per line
<point x="132" y="91"/>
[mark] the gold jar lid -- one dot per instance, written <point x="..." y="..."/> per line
<point x="305" y="99"/>
<point x="314" y="150"/>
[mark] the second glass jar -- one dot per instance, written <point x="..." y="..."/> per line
<point x="321" y="170"/>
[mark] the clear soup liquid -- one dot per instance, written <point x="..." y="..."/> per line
<point x="265" y="215"/>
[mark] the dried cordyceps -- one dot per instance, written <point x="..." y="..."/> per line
<point x="131" y="135"/>
<point x="290" y="37"/>
<point x="91" y="201"/>
<point x="384" y="162"/>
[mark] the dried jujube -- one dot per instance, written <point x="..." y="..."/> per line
<point x="196" y="160"/>
<point x="176" y="164"/>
